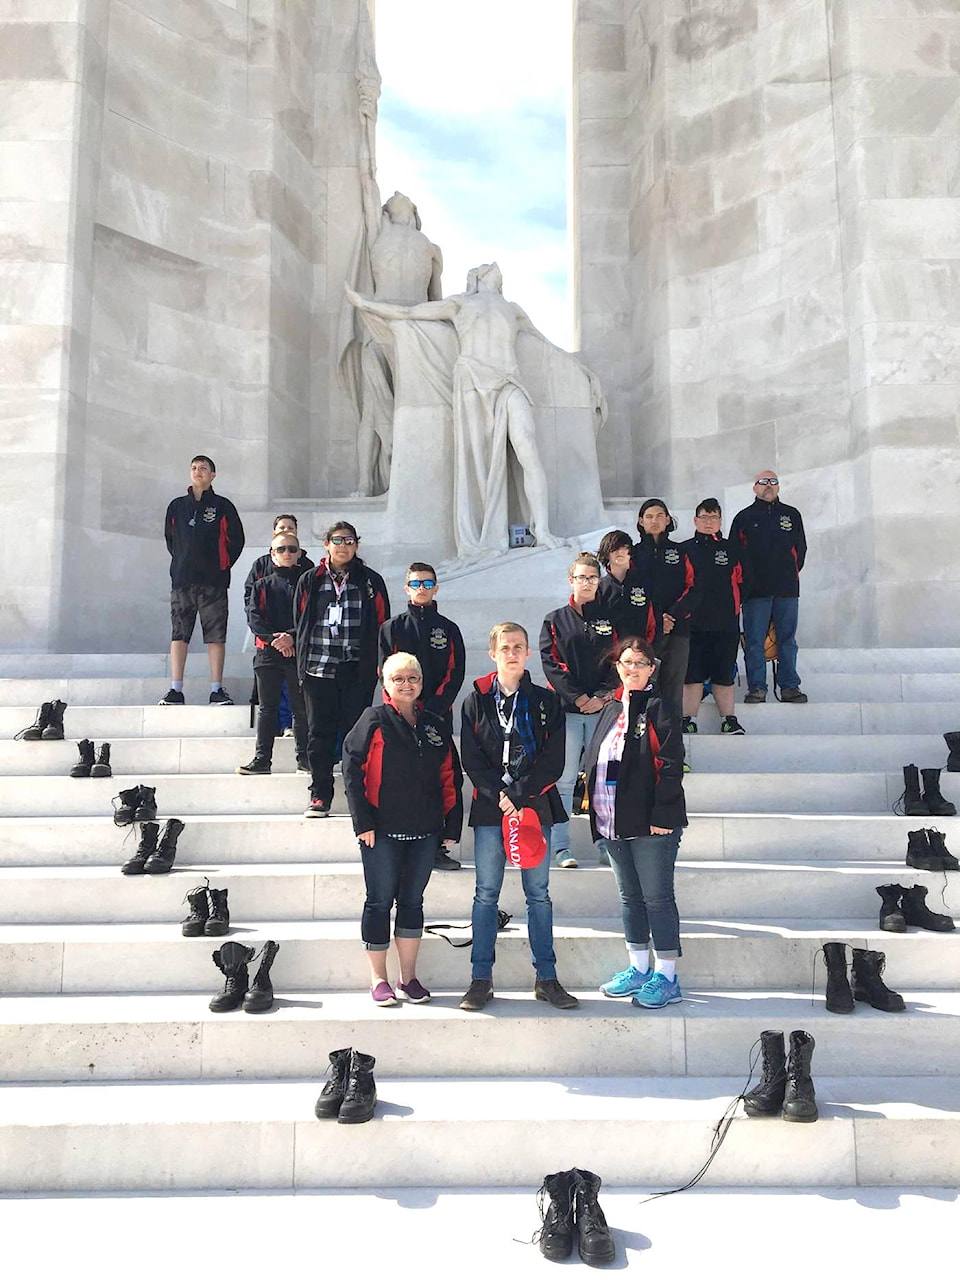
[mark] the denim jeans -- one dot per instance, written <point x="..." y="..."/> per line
<point x="284" y="714"/>
<point x="643" y="867"/>
<point x="488" y="855"/>
<point x="579" y="731"/>
<point x="395" y="871"/>
<point x="756" y="619"/>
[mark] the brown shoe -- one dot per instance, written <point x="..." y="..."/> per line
<point x="479" y="993"/>
<point x="792" y="695"/>
<point x="549" y="989"/>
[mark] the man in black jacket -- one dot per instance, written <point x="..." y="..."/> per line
<point x="773" y="548"/>
<point x="204" y="537"/>
<point x="512" y="749"/>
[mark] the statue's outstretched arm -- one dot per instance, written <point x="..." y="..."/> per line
<point x="445" y="309"/>
<point x="434" y="290"/>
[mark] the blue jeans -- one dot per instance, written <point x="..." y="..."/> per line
<point x="579" y="731"/>
<point x="756" y="619"/>
<point x="285" y="714"/>
<point x="395" y="871"/>
<point x="488" y="855"/>
<point x="643" y="867"/>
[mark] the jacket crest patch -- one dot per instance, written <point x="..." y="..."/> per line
<point x="638" y="597"/>
<point x="438" y="638"/>
<point x="786" y="523"/>
<point x="603" y="627"/>
<point x="721" y="557"/>
<point x="671" y="556"/>
<point x="432" y="735"/>
<point x="209" y="514"/>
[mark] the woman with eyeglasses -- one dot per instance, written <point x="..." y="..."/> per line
<point x="575" y="654"/>
<point x="634" y="769"/>
<point x="403" y="782"/>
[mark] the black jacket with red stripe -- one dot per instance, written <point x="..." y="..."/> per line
<point x="437" y="643"/>
<point x="632" y="607"/>
<point x="665" y="572"/>
<point x="401" y="779"/>
<point x="773" y="547"/>
<point x="270" y="612"/>
<point x="719" y="575"/>
<point x="266" y="564"/>
<point x="313" y="594"/>
<point x="204" y="539"/>
<point x="481" y="750"/>
<point x="575" y="651"/>
<point x="649" y="788"/>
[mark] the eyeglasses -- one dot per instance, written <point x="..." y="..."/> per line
<point x="405" y="679"/>
<point x="338" y="541"/>
<point x="633" y="665"/>
<point x="582" y="577"/>
<point x="766" y="480"/>
<point x="416" y="583"/>
<point x="286" y="551"/>
<point x="709" y="515"/>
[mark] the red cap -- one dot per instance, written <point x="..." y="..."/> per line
<point x="524" y="844"/>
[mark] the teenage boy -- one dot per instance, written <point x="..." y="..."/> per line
<point x="438" y="646"/>
<point x="512" y="747"/>
<point x="715" y="625"/>
<point x="204" y="537"/>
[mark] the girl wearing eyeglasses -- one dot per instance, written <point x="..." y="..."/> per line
<point x="634" y="768"/>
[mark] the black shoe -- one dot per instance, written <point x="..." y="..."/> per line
<point x="937" y="806"/>
<point x="479" y="994"/>
<point x="915" y="910"/>
<point x="317" y="808"/>
<point x="256" y="765"/>
<point x="83" y="766"/>
<point x="443" y="862"/>
<point x="259" y="997"/>
<point x="101" y="766"/>
<point x="147" y="846"/>
<point x="756" y="695"/>
<point x="172" y="698"/>
<point x="938" y="849"/>
<point x="793" y="695"/>
<point x="360" y="1094"/>
<point x="689" y="725"/>
<point x="914" y="806"/>
<point x="161" y="862"/>
<point x="125" y="811"/>
<point x="555" y="1203"/>
<point x="220" y="698"/>
<point x="331" y="1099"/>
<point x="767" y="1098"/>
<point x="146" y="804"/>
<point x="920" y="854"/>
<point x="868" y="984"/>
<point x="193" y="926"/>
<point x="730" y="724"/>
<point x="953" y="747"/>
<point x="218" y="922"/>
<point x="596" y="1242"/>
<point x="550" y="990"/>
<point x="34" y="732"/>
<point x="891" y="917"/>
<point x="232" y="960"/>
<point x="54" y="728"/>
<point x="799" y="1097"/>
<point x="839" y="995"/>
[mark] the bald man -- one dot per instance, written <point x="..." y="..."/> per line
<point x="772" y="546"/>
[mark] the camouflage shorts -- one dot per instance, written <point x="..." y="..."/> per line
<point x="209" y="602"/>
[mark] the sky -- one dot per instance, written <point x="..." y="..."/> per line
<point x="472" y="126"/>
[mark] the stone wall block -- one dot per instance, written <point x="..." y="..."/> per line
<point x="710" y="242"/>
<point x="905" y="416"/>
<point x="690" y="355"/>
<point x="693" y="410"/>
<point x="735" y="71"/>
<point x="31" y="231"/>
<point x="706" y="28"/>
<point x="907" y="352"/>
<point x="600" y="47"/>
<point x="799" y="208"/>
<point x="36" y="171"/>
<point x="905" y="289"/>
<point x="907" y="167"/>
<point x="215" y="25"/>
<point x="689" y="191"/>
<point x="32" y="355"/>
<point x="604" y="187"/>
<point x="39" y="110"/>
<point x="795" y="47"/>
<point x="177" y="396"/>
<point x="927" y="228"/>
<point x="689" y="301"/>
<point x="786" y="103"/>
<point x="31" y="421"/>
<point x="908" y="44"/>
<point x="746" y="284"/>
<point x="602" y="95"/>
<point x="817" y="318"/>
<point x="39" y="51"/>
<point x="141" y="155"/>
<point x="601" y="142"/>
<point x="601" y="10"/>
<point x="824" y="433"/>
<point x="900" y="106"/>
<point x="34" y="293"/>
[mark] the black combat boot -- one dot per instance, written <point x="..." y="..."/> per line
<point x="596" y="1242"/>
<point x="938" y="807"/>
<point x="920" y="855"/>
<point x="939" y="851"/>
<point x="953" y="747"/>
<point x="555" y="1200"/>
<point x="331" y="1099"/>
<point x="219" y="921"/>
<point x="34" y="732"/>
<point x="767" y="1098"/>
<point x="162" y="860"/>
<point x="868" y="984"/>
<point x="232" y="960"/>
<point x="193" y="926"/>
<point x="259" y="997"/>
<point x="360" y="1095"/>
<point x="147" y="846"/>
<point x="101" y="768"/>
<point x="799" y="1097"/>
<point x="146" y="804"/>
<point x="914" y="805"/>
<point x="83" y="766"/>
<point x="891" y="917"/>
<point x="53" y="732"/>
<point x="839" y="995"/>
<point x="913" y="904"/>
<point x="125" y="812"/>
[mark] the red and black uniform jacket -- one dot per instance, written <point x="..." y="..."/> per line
<point x="437" y="643"/>
<point x="315" y="591"/>
<point x="266" y="564"/>
<point x="481" y="750"/>
<point x="666" y="575"/>
<point x="719" y="575"/>
<point x="649" y="789"/>
<point x="204" y="539"/>
<point x="400" y="779"/>
<point x="632" y="607"/>
<point x="575" y="651"/>
<point x="270" y="611"/>
<point x="772" y="546"/>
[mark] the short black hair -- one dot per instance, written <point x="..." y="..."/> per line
<point x="708" y="504"/>
<point x="284" y="516"/>
<point x="611" y="542"/>
<point x="421" y="566"/>
<point x="341" y="526"/>
<point x="202" y="457"/>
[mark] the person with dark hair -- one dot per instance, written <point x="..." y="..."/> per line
<point x="403" y="784"/>
<point x="715" y="625"/>
<point x="614" y="556"/>
<point x="339" y="608"/>
<point x="634" y="769"/>
<point x="204" y="537"/>
<point x="575" y="644"/>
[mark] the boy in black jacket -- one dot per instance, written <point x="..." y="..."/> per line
<point x="435" y="640"/>
<point x="512" y="749"/>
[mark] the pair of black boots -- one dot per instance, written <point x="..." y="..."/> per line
<point x="927" y="851"/>
<point x="233" y="959"/>
<point x="928" y="803"/>
<point x="136" y="804"/>
<point x="900" y="906"/>
<point x="209" y="913"/>
<point x="573" y="1202"/>
<point x="92" y="763"/>
<point x="350" y="1094"/>
<point x="155" y="854"/>
<point x="48" y="724"/>
<point x="868" y="984"/>
<point x="786" y="1084"/>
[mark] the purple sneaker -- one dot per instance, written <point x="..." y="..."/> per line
<point x="414" y="991"/>
<point x="384" y="995"/>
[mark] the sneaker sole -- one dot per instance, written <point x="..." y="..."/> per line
<point x="402" y="995"/>
<point x="310" y="813"/>
<point x="252" y="773"/>
<point x="673" y="1000"/>
<point x="568" y="864"/>
<point x="620" y="995"/>
<point x="386" y="1004"/>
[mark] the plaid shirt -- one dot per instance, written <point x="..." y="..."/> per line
<point x="329" y="645"/>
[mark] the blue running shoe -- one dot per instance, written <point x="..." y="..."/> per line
<point x="627" y="982"/>
<point x="658" y="992"/>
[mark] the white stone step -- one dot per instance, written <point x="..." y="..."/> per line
<point x="809" y="753"/>
<point x="143" y="756"/>
<point x="175" y="1037"/>
<point x="327" y="955"/>
<point x="114" y="724"/>
<point x="261" y="1134"/>
<point x="118" y="690"/>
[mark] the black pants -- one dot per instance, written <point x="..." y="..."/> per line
<point x="333" y="705"/>
<point x="673" y="652"/>
<point x="270" y="677"/>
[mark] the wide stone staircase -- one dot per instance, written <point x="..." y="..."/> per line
<point x="115" y="1076"/>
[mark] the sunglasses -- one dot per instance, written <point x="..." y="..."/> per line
<point x="285" y="551"/>
<point x="416" y="583"/>
<point x="338" y="541"/>
<point x="766" y="480"/>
